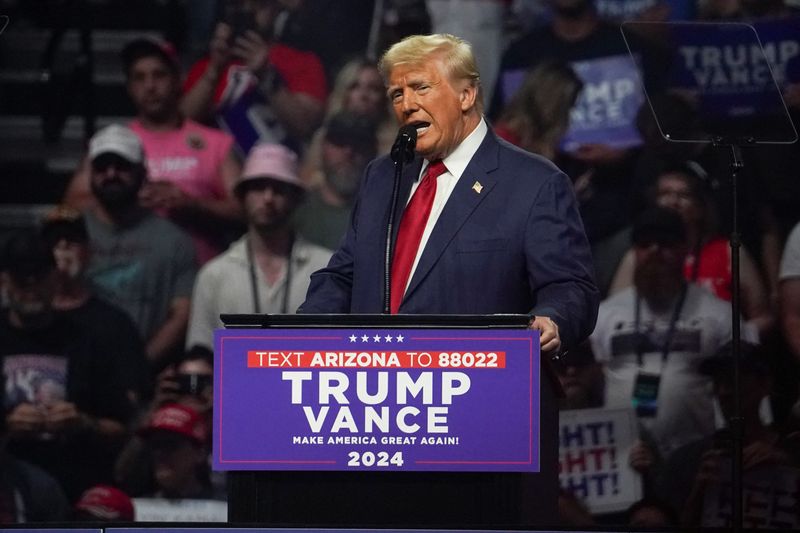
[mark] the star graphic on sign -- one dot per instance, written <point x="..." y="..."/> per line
<point x="399" y="338"/>
<point x="377" y="338"/>
<point x="388" y="338"/>
<point x="352" y="338"/>
<point x="364" y="338"/>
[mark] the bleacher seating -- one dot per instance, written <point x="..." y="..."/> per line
<point x="35" y="167"/>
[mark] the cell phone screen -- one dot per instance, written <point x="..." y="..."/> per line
<point x="645" y="394"/>
<point x="193" y="383"/>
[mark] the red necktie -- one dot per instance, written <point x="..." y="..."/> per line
<point x="412" y="225"/>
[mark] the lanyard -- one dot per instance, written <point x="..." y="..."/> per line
<point x="254" y="279"/>
<point x="673" y="321"/>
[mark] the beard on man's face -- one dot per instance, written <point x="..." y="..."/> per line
<point x="658" y="282"/>
<point x="344" y="181"/>
<point x="115" y="193"/>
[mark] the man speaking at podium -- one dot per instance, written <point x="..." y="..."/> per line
<point x="484" y="227"/>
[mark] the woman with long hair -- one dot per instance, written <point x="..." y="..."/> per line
<point x="537" y="117"/>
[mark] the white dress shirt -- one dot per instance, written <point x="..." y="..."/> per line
<point x="455" y="163"/>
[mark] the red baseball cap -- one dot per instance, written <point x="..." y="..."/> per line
<point x="106" y="503"/>
<point x="177" y="418"/>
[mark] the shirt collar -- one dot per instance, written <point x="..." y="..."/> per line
<point x="301" y="250"/>
<point x="457" y="161"/>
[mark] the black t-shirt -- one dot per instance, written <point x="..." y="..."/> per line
<point x="63" y="362"/>
<point x="116" y="335"/>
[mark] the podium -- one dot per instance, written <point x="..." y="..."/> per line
<point x="394" y="499"/>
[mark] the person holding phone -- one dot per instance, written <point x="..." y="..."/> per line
<point x="65" y="405"/>
<point x="253" y="86"/>
<point x="188" y="383"/>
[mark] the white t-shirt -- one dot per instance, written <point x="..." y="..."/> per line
<point x="790" y="262"/>
<point x="685" y="408"/>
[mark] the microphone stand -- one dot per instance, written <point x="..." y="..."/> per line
<point x="402" y="152"/>
<point x="389" y="251"/>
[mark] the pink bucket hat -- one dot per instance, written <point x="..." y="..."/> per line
<point x="270" y="161"/>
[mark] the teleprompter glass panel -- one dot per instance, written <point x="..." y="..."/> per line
<point x="731" y="76"/>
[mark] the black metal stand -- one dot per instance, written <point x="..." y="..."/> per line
<point x="389" y="250"/>
<point x="402" y="152"/>
<point x="735" y="422"/>
<point x="728" y="117"/>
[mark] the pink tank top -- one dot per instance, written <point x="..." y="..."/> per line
<point x="191" y="157"/>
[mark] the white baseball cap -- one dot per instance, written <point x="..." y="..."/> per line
<point x="119" y="140"/>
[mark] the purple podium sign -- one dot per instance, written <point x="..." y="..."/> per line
<point x="377" y="399"/>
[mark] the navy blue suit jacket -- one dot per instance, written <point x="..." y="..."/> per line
<point x="518" y="246"/>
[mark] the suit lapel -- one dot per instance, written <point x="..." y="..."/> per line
<point x="461" y="204"/>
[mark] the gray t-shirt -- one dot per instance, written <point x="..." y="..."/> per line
<point x="141" y="268"/>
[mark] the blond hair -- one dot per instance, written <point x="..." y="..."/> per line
<point x="455" y="53"/>
<point x="539" y="111"/>
<point x="345" y="79"/>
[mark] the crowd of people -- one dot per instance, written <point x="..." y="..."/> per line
<point x="236" y="180"/>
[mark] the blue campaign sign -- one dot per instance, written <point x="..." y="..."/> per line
<point x="377" y="399"/>
<point x="511" y="81"/>
<point x="682" y="9"/>
<point x="630" y="9"/>
<point x="605" y="112"/>
<point x="606" y="109"/>
<point x="780" y="40"/>
<point x="722" y="70"/>
<point x="725" y="69"/>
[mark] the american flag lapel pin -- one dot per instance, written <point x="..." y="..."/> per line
<point x="477" y="187"/>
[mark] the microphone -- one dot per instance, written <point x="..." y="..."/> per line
<point x="403" y="147"/>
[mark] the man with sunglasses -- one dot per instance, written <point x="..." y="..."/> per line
<point x="652" y="337"/>
<point x="141" y="262"/>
